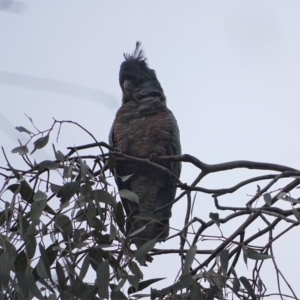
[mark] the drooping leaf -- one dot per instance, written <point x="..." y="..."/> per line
<point x="215" y="218"/>
<point x="195" y="292"/>
<point x="30" y="247"/>
<point x="104" y="197"/>
<point x="68" y="171"/>
<point x="296" y="214"/>
<point x="45" y="259"/>
<point x="135" y="232"/>
<point x="80" y="215"/>
<point x="48" y="164"/>
<point x="2" y="218"/>
<point x="252" y="254"/>
<point x="24" y="225"/>
<point x="39" y="196"/>
<point x="185" y="281"/>
<point x="26" y="191"/>
<point x="224" y="258"/>
<point x="248" y="287"/>
<point x="120" y="216"/>
<point x="21" y="262"/>
<point x="116" y="294"/>
<point x="268" y="199"/>
<point x="189" y="258"/>
<point x="129" y="195"/>
<point x="60" y="275"/>
<point x="112" y="232"/>
<point x="85" y="190"/>
<point x="55" y="188"/>
<point x="40" y="143"/>
<point x="92" y="219"/>
<point x="41" y="270"/>
<point x="38" y="205"/>
<point x="78" y="235"/>
<point x="144" y="284"/>
<point x="68" y="190"/>
<point x="214" y="279"/>
<point x="281" y="195"/>
<point x="245" y="255"/>
<point x="89" y="293"/>
<point x="8" y="247"/>
<point x="59" y="156"/>
<point x="84" y="168"/>
<point x="120" y="284"/>
<point x="6" y="263"/>
<point x="32" y="287"/>
<point x="144" y="250"/>
<point x="135" y="270"/>
<point x="85" y="266"/>
<point x="103" y="278"/>
<point x="96" y="257"/>
<point x="77" y="284"/>
<point x="290" y="199"/>
<point x="64" y="224"/>
<point x="236" y="285"/>
<point x="23" y="129"/>
<point x="44" y="229"/>
<point x="259" y="285"/>
<point x="22" y="150"/>
<point x="111" y="162"/>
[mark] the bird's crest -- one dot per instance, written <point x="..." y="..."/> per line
<point x="138" y="54"/>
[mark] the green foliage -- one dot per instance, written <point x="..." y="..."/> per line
<point x="62" y="234"/>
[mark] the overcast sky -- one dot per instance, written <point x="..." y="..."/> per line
<point x="230" y="71"/>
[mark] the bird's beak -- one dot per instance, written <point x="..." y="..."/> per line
<point x="127" y="85"/>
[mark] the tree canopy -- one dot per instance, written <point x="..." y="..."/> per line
<point x="62" y="228"/>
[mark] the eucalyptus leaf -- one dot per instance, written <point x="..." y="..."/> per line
<point x="60" y="156"/>
<point x="64" y="224"/>
<point x="136" y="231"/>
<point x="68" y="171"/>
<point x="104" y="197"/>
<point x="103" y="279"/>
<point x="252" y="254"/>
<point x="268" y="199"/>
<point x="144" y="250"/>
<point x="248" y="287"/>
<point x="224" y="258"/>
<point x="48" y="164"/>
<point x="129" y="195"/>
<point x="296" y="214"/>
<point x="22" y="150"/>
<point x="290" y="199"/>
<point x="39" y="196"/>
<point x="40" y="143"/>
<point x="23" y="129"/>
<point x="236" y="285"/>
<point x="189" y="258"/>
<point x="215" y="218"/>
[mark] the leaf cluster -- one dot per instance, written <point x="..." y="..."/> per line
<point x="62" y="230"/>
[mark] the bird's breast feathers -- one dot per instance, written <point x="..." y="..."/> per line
<point x="143" y="128"/>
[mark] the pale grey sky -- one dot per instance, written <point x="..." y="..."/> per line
<point x="230" y="71"/>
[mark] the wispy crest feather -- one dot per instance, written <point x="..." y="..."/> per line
<point x="138" y="53"/>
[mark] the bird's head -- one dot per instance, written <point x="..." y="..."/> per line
<point x="134" y="72"/>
